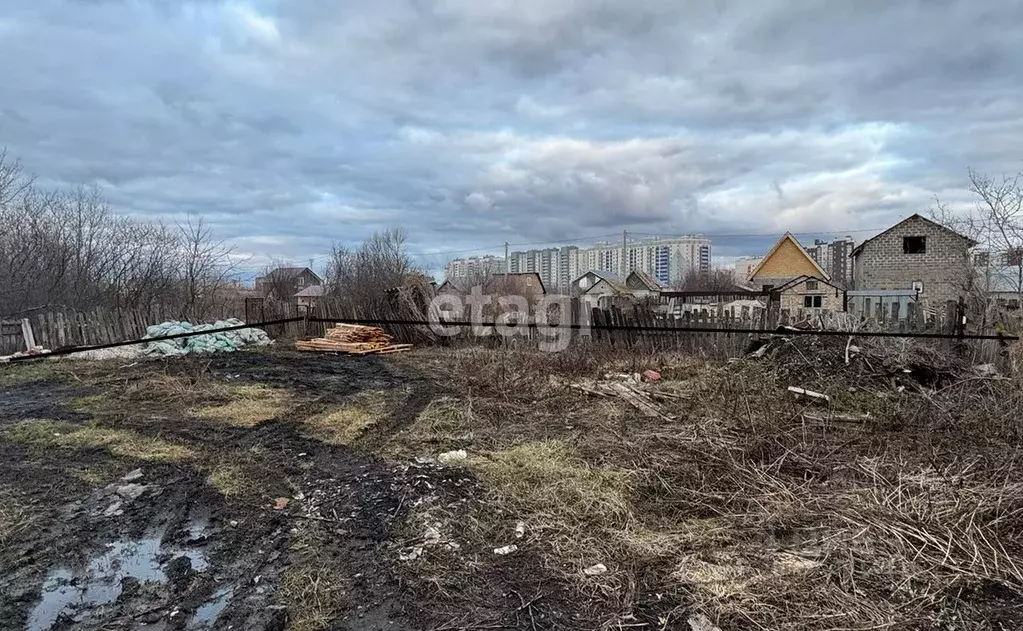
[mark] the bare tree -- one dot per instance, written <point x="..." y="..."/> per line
<point x="712" y="280"/>
<point x="206" y="266"/>
<point x="995" y="224"/>
<point x="69" y="249"/>
<point x="275" y="283"/>
<point x="361" y="277"/>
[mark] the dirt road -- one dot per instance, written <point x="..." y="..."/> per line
<point x="129" y="501"/>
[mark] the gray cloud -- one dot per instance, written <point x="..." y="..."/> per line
<point x="293" y="124"/>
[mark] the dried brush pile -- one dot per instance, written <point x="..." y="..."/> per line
<point x="897" y="504"/>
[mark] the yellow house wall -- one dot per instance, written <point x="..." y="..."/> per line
<point x="831" y="298"/>
<point x="788" y="261"/>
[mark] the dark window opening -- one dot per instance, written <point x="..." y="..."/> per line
<point x="811" y="285"/>
<point x="914" y="245"/>
<point x="812" y="302"/>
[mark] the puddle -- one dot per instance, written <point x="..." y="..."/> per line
<point x="74" y="593"/>
<point x="207" y="614"/>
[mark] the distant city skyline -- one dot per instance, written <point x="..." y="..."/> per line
<point x="666" y="259"/>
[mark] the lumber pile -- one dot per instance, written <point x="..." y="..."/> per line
<point x="353" y="339"/>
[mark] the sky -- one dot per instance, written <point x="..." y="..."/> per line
<point x="294" y="124"/>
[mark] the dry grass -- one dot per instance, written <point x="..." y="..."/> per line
<point x="230" y="480"/>
<point x="248" y="406"/>
<point x="554" y="490"/>
<point x="15" y="517"/>
<point x="899" y="506"/>
<point x="24" y="372"/>
<point x="346" y="424"/>
<point x="313" y="591"/>
<point x="124" y="443"/>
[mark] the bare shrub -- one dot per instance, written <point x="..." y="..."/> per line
<point x="69" y="249"/>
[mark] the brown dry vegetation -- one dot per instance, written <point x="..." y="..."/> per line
<point x="898" y="506"/>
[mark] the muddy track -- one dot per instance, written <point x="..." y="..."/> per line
<point x="179" y="556"/>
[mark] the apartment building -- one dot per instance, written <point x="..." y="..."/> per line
<point x="666" y="260"/>
<point x="473" y="267"/>
<point x="835" y="258"/>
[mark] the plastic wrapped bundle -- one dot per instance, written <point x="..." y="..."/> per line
<point x="219" y="342"/>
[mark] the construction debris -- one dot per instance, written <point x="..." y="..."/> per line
<point x="502" y="551"/>
<point x="354" y="339"/>
<point x="803" y="392"/>
<point x="449" y="457"/>
<point x="627" y="387"/>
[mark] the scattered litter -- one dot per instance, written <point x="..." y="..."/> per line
<point x="595" y="570"/>
<point x="113" y="510"/>
<point x="520" y="529"/>
<point x="986" y="370"/>
<point x="412" y="555"/>
<point x="700" y="622"/>
<point x="506" y="550"/>
<point x="132" y="491"/>
<point x="281" y="503"/>
<point x="353" y="339"/>
<point x="809" y="393"/>
<point x="432" y="535"/>
<point x="449" y="457"/>
<point x="652" y="375"/>
<point x="224" y="341"/>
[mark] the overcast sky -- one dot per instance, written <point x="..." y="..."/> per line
<point x="294" y="123"/>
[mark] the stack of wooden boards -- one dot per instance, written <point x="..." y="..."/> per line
<point x="353" y="339"/>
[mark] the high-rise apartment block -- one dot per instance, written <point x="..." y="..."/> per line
<point x="667" y="260"/>
<point x="481" y="266"/>
<point x="835" y="258"/>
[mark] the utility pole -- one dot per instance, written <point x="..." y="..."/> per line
<point x="625" y="247"/>
<point x="507" y="261"/>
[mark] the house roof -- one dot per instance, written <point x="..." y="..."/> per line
<point x="290" y="272"/>
<point x="310" y="291"/>
<point x="616" y="281"/>
<point x="458" y="284"/>
<point x="518" y="275"/>
<point x="788" y="236"/>
<point x="859" y="248"/>
<point x="463" y="285"/>
<point x="802" y="279"/>
<point x="644" y="278"/>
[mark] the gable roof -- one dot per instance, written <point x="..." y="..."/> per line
<point x="310" y="291"/>
<point x="608" y="276"/>
<point x="856" y="251"/>
<point x="788" y="237"/>
<point x="519" y="275"/>
<point x="617" y="288"/>
<point x="802" y="279"/>
<point x="644" y="279"/>
<point x="457" y="284"/>
<point x="288" y="273"/>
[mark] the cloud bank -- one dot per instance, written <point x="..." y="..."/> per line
<point x="292" y="124"/>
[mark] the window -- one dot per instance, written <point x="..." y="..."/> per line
<point x="812" y="302"/>
<point x="981" y="259"/>
<point x="914" y="245"/>
<point x="811" y="285"/>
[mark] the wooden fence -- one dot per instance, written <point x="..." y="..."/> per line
<point x="61" y="328"/>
